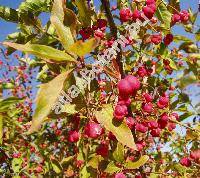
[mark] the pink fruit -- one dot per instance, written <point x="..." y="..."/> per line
<point x="135" y="14"/>
<point x="126" y="101"/>
<point x="195" y="154"/>
<point x="130" y="122"/>
<point x="125" y="14"/>
<point x="120" y="175"/>
<point x="102" y="150"/>
<point x="133" y="82"/>
<point x="164" y="100"/>
<point x="184" y="15"/>
<point x="168" y="39"/>
<point x="148" y="12"/>
<point x="124" y="88"/>
<point x="175" y="115"/>
<point x="149" y="2"/>
<point x="142" y="71"/>
<point x="156" y="132"/>
<point x="171" y="126"/>
<point x="175" y="18"/>
<point x="152" y="125"/>
<point x="156" y="38"/>
<point x="141" y="128"/>
<point x="120" y="112"/>
<point x="140" y="145"/>
<point x="185" y="162"/>
<point x="73" y="136"/>
<point x="93" y="130"/>
<point x="147" y="107"/>
<point x="148" y="98"/>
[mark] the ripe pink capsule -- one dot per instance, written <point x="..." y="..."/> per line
<point x="184" y="16"/>
<point x="125" y="14"/>
<point x="185" y="162"/>
<point x="135" y="14"/>
<point x="195" y="154"/>
<point x="73" y="136"/>
<point x="148" y="98"/>
<point x="147" y="107"/>
<point x="102" y="150"/>
<point x="152" y="125"/>
<point x="93" y="130"/>
<point x="120" y="175"/>
<point x="141" y="128"/>
<point x="124" y="88"/>
<point x="164" y="117"/>
<point x="130" y="122"/>
<point x="124" y="101"/>
<point x="156" y="38"/>
<point x="168" y="39"/>
<point x="142" y="71"/>
<point x="175" y="115"/>
<point x="133" y="82"/>
<point x="175" y="18"/>
<point x="171" y="126"/>
<point x="149" y="2"/>
<point x="148" y="12"/>
<point x="120" y="112"/>
<point x="164" y="100"/>
<point x="156" y="132"/>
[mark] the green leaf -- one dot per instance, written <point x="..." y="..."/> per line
<point x="66" y="160"/>
<point x="94" y="161"/>
<point x="16" y="164"/>
<point x="118" y="154"/>
<point x="70" y="20"/>
<point x="57" y="10"/>
<point x="137" y="164"/>
<point x="112" y="168"/>
<point x="83" y="12"/>
<point x="195" y="56"/>
<point x="9" y="14"/>
<point x="192" y="16"/>
<point x="181" y="169"/>
<point x="69" y="109"/>
<point x="64" y="33"/>
<point x="188" y="47"/>
<point x="187" y="80"/>
<point x="174" y="6"/>
<point x="7" y="85"/>
<point x="178" y="38"/>
<point x="56" y="166"/>
<point x="8" y="102"/>
<point x="81" y="48"/>
<point x="42" y="51"/>
<point x="197" y="35"/>
<point x="34" y="6"/>
<point x="46" y="98"/>
<point x="172" y="64"/>
<point x="185" y="116"/>
<point x="120" y="130"/>
<point x="84" y="172"/>
<point x="164" y="15"/>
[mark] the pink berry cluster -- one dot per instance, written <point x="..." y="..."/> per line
<point x="96" y="30"/>
<point x="194" y="156"/>
<point x="149" y="10"/>
<point x="182" y="17"/>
